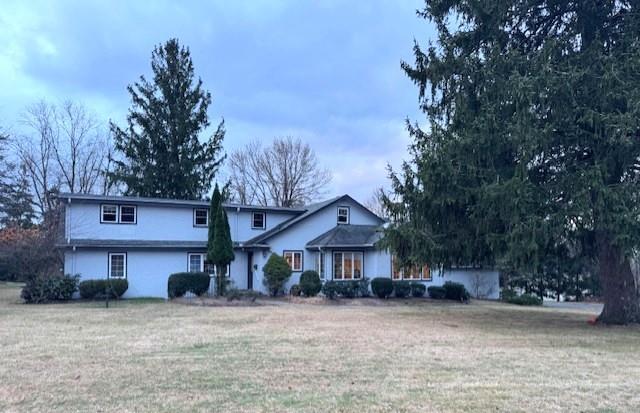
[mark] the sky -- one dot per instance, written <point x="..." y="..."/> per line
<point x="327" y="72"/>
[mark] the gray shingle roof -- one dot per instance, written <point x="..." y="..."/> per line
<point x="348" y="236"/>
<point x="116" y="243"/>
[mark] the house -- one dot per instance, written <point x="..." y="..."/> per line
<point x="147" y="239"/>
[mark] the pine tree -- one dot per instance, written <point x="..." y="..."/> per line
<point x="214" y="205"/>
<point x="160" y="154"/>
<point x="533" y="140"/>
<point x="222" y="248"/>
<point x="16" y="204"/>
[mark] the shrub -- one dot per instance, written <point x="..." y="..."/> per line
<point x="295" y="290"/>
<point x="382" y="287"/>
<point x="330" y="289"/>
<point x="310" y="283"/>
<point x="525" y="299"/>
<point x="276" y="273"/>
<point x="507" y="294"/>
<point x="363" y="287"/>
<point x="402" y="289"/>
<point x="115" y="287"/>
<point x="436" y="292"/>
<point x="418" y="289"/>
<point x="455" y="291"/>
<point x="238" y="294"/>
<point x="181" y="283"/>
<point x="49" y="288"/>
<point x="221" y="284"/>
<point x="348" y="289"/>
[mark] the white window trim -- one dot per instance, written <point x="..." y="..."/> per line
<point x="102" y="221"/>
<point x="293" y="259"/>
<point x="353" y="256"/>
<point x="124" y="254"/>
<point x="345" y="208"/>
<point x="320" y="265"/>
<point x="264" y="220"/>
<point x="135" y="214"/>
<point x="195" y="224"/>
<point x="202" y="257"/>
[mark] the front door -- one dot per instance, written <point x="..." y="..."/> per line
<point x="250" y="270"/>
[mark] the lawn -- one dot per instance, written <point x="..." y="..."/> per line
<point x="365" y="357"/>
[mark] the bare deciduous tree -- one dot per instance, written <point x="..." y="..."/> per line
<point x="375" y="203"/>
<point x="66" y="150"/>
<point x="286" y="173"/>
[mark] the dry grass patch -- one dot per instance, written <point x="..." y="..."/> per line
<point x="165" y="357"/>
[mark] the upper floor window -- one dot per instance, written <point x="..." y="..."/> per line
<point x="117" y="265"/>
<point x="128" y="214"/>
<point x="200" y="217"/>
<point x="118" y="214"/>
<point x="294" y="259"/>
<point x="258" y="220"/>
<point x="343" y="215"/>
<point x="109" y="213"/>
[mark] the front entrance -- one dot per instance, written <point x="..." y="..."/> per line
<point x="250" y="270"/>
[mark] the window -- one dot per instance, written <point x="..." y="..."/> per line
<point x="258" y="220"/>
<point x="320" y="264"/>
<point x="109" y="213"/>
<point x="200" y="217"/>
<point x="127" y="214"/>
<point x="347" y="265"/>
<point x="117" y="265"/>
<point x="294" y="259"/>
<point x="343" y="215"/>
<point x="410" y="273"/>
<point x="196" y="262"/>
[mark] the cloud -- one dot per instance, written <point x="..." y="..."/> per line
<point x="328" y="72"/>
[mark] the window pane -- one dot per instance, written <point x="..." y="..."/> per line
<point x="258" y="220"/>
<point x="395" y="271"/>
<point x="109" y="213"/>
<point x="343" y="215"/>
<point x="117" y="265"/>
<point x="320" y="264"/>
<point x="337" y="265"/>
<point x="202" y="216"/>
<point x="426" y="272"/>
<point x="195" y="262"/>
<point x="288" y="256"/>
<point x="357" y="265"/>
<point x="297" y="261"/>
<point x="127" y="214"/>
<point x="348" y="266"/>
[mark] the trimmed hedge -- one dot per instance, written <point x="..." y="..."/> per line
<point x="115" y="287"/>
<point x="310" y="283"/>
<point x="43" y="289"/>
<point x="382" y="287"/>
<point x="181" y="283"/>
<point x="455" y="291"/>
<point x="418" y="289"/>
<point x="436" y="292"/>
<point x="402" y="289"/>
<point x="346" y="289"/>
<point x="524" y="299"/>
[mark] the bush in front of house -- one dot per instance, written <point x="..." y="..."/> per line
<point x="455" y="291"/>
<point x="362" y="287"/>
<point x="382" y="287"/>
<point x="402" y="289"/>
<point x="437" y="292"/>
<point x="115" y="287"/>
<point x="330" y="289"/>
<point x="295" y="290"/>
<point x="276" y="274"/>
<point x="524" y="299"/>
<point x="418" y="289"/>
<point x="346" y="289"/>
<point x="48" y="288"/>
<point x="310" y="283"/>
<point x="238" y="294"/>
<point x="181" y="283"/>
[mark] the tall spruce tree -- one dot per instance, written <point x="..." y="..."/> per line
<point x="160" y="154"/>
<point x="532" y="140"/>
<point x="214" y="205"/>
<point x="222" y="249"/>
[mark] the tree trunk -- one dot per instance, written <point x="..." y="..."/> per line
<point x="619" y="286"/>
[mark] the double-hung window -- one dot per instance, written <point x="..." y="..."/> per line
<point x="127" y="214"/>
<point x="294" y="259"/>
<point x="109" y="213"/>
<point x="196" y="262"/>
<point x="320" y="264"/>
<point x="258" y="220"/>
<point x="347" y="265"/>
<point x="343" y="215"/>
<point x="117" y="265"/>
<point x="200" y="217"/>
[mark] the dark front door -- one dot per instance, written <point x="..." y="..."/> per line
<point x="250" y="270"/>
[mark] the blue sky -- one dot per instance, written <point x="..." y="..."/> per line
<point x="325" y="71"/>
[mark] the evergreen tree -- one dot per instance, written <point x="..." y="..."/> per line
<point x="533" y="139"/>
<point x="214" y="205"/>
<point x="16" y="204"/>
<point x="160" y="154"/>
<point x="221" y="252"/>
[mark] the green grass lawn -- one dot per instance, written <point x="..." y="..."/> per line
<point x="150" y="356"/>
